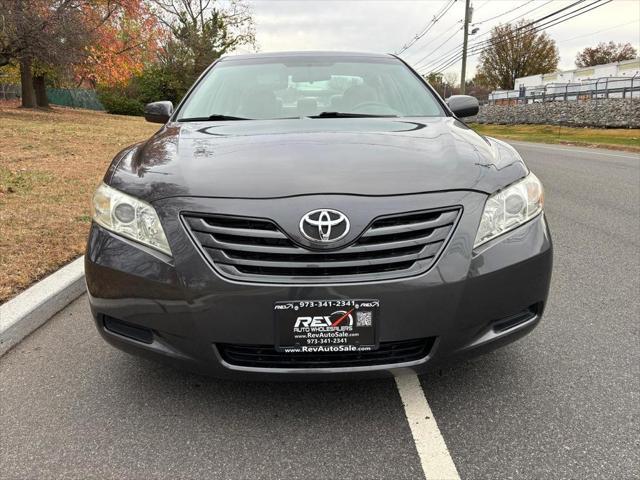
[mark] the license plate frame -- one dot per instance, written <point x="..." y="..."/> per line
<point x="326" y="326"/>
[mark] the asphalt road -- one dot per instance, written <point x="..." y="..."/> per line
<point x="561" y="403"/>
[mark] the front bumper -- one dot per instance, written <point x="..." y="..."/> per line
<point x="469" y="302"/>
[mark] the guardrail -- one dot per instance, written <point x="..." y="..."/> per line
<point x="607" y="87"/>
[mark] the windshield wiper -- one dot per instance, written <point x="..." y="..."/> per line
<point x="215" y="116"/>
<point x="347" y="115"/>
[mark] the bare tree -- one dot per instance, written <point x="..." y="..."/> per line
<point x="201" y="31"/>
<point x="451" y="78"/>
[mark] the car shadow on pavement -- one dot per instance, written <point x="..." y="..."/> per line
<point x="348" y="429"/>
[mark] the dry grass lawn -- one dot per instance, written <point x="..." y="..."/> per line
<point x="50" y="163"/>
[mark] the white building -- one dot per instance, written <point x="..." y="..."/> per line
<point x="627" y="68"/>
<point x="611" y="80"/>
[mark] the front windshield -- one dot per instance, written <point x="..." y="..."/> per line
<point x="292" y="87"/>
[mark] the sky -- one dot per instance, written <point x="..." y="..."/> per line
<point x="387" y="25"/>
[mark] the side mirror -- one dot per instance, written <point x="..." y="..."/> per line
<point x="158" y="112"/>
<point x="463" y="105"/>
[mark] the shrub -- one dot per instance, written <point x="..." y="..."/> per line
<point x="120" y="102"/>
<point x="156" y="82"/>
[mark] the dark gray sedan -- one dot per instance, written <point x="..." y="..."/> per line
<point x="316" y="215"/>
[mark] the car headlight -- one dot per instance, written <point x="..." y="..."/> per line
<point x="510" y="208"/>
<point x="129" y="217"/>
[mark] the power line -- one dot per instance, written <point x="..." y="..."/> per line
<point x="480" y="46"/>
<point x="458" y="47"/>
<point x="456" y="56"/>
<point x="537" y="7"/>
<point x="598" y="31"/>
<point x="432" y="52"/>
<point x="490" y="41"/>
<point x="426" y="29"/>
<point x="536" y="29"/>
<point x="485" y="3"/>
<point x="504" y="13"/>
<point x="530" y="10"/>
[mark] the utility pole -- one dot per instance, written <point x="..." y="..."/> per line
<point x="468" y="12"/>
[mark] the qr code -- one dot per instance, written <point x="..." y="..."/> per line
<point x="363" y="319"/>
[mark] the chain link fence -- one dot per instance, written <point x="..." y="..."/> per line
<point x="74" y="97"/>
<point x="9" y="91"/>
<point x="607" y="87"/>
<point x="66" y="97"/>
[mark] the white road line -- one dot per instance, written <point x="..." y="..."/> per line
<point x="434" y="455"/>
<point x="570" y="149"/>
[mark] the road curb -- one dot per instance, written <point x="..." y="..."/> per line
<point x="32" y="308"/>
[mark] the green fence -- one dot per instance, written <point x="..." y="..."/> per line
<point x="74" y="97"/>
<point x="67" y="97"/>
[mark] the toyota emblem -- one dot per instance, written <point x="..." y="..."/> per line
<point x="324" y="225"/>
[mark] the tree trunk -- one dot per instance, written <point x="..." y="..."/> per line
<point x="26" y="81"/>
<point x="41" y="91"/>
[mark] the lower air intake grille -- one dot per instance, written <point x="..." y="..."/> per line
<point x="266" y="356"/>
<point x="128" y="330"/>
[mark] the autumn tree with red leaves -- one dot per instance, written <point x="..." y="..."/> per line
<point x="97" y="40"/>
<point x="160" y="45"/>
<point x="126" y="36"/>
<point x="516" y="51"/>
<point x="195" y="34"/>
<point x="605" y="53"/>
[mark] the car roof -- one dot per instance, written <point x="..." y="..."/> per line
<point x="305" y="53"/>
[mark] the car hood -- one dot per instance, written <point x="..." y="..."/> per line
<point x="279" y="158"/>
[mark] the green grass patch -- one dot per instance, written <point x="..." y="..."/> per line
<point x="620" y="138"/>
<point x="21" y="182"/>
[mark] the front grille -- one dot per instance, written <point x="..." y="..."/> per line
<point x="255" y="249"/>
<point x="266" y="356"/>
